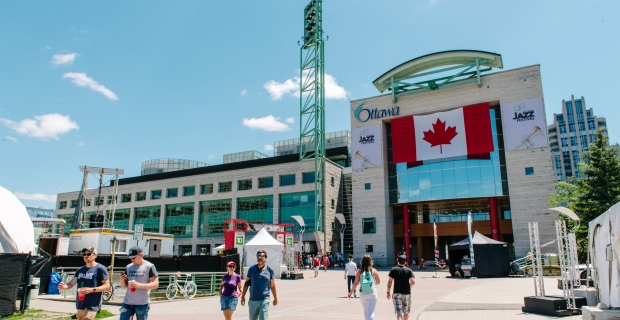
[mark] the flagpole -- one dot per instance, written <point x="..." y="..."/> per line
<point x="471" y="246"/>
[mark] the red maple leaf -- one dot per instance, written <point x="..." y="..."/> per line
<point x="441" y="135"/>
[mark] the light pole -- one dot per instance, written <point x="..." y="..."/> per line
<point x="343" y="226"/>
<point x="113" y="242"/>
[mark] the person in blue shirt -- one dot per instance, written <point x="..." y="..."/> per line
<point x="92" y="280"/>
<point x="260" y="279"/>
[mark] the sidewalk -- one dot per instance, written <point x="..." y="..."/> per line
<point x="325" y="298"/>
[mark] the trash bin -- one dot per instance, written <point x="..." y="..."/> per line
<point x="34" y="294"/>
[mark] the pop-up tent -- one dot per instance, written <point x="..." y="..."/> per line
<point x="16" y="229"/>
<point x="264" y="241"/>
<point x="490" y="256"/>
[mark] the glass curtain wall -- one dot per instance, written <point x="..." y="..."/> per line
<point x="180" y="219"/>
<point x="212" y="216"/>
<point x="451" y="178"/>
<point x="149" y="217"/>
<point x="121" y="218"/>
<point x="255" y="209"/>
<point x="299" y="204"/>
<point x="68" y="221"/>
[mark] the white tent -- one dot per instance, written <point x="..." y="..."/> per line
<point x="264" y="241"/>
<point x="16" y="229"/>
<point x="215" y="250"/>
<point x="604" y="244"/>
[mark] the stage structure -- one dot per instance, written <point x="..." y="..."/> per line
<point x="98" y="220"/>
<point x="312" y="105"/>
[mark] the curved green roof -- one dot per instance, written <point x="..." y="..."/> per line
<point x="434" y="60"/>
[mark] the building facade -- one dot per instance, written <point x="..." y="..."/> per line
<point x="193" y="204"/>
<point x="570" y="135"/>
<point x="506" y="187"/>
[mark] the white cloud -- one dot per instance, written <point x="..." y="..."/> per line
<point x="211" y="156"/>
<point x="290" y="120"/>
<point x="11" y="139"/>
<point x="59" y="59"/>
<point x="47" y="48"/>
<point x="244" y="92"/>
<point x="36" y="196"/>
<point x="82" y="80"/>
<point x="268" y="123"/>
<point x="291" y="87"/>
<point x="268" y="147"/>
<point x="81" y="144"/>
<point x="43" y="127"/>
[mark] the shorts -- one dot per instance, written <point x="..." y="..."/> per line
<point x="86" y="314"/>
<point x="402" y="303"/>
<point x="229" y="302"/>
<point x="316" y="268"/>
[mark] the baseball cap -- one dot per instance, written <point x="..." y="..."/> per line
<point x="402" y="257"/>
<point x="134" y="251"/>
<point x="231" y="263"/>
<point x="90" y="249"/>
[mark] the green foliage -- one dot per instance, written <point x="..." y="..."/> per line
<point x="594" y="192"/>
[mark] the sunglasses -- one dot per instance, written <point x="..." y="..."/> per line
<point x="231" y="267"/>
<point x="87" y="254"/>
<point x="260" y="256"/>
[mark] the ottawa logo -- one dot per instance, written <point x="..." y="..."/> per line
<point x="441" y="135"/>
<point x="525" y="115"/>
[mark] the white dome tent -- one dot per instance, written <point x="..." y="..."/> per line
<point x="16" y="229"/>
<point x="264" y="241"/>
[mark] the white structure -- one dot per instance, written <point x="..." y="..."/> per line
<point x="264" y="241"/>
<point x="16" y="229"/>
<point x="604" y="242"/>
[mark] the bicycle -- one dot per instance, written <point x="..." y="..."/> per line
<point x="188" y="289"/>
<point x="112" y="293"/>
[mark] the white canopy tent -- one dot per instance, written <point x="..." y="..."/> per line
<point x="16" y="229"/>
<point x="605" y="254"/>
<point x="264" y="241"/>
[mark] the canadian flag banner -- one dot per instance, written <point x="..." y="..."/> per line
<point x="459" y="132"/>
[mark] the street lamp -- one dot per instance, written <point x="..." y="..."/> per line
<point x="113" y="243"/>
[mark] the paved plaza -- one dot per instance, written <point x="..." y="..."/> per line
<point x="325" y="298"/>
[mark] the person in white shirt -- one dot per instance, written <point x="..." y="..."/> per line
<point x="350" y="270"/>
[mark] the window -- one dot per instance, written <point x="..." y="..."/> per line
<point x="333" y="182"/>
<point x="141" y="196"/>
<point x="98" y="201"/>
<point x="62" y="205"/>
<point x="287" y="180"/>
<point x="266" y="182"/>
<point x="180" y="219"/>
<point x="244" y="184"/>
<point x="333" y="203"/>
<point x="73" y="204"/>
<point x="121" y="218"/>
<point x="206" y="188"/>
<point x="562" y="128"/>
<point x="121" y="246"/>
<point x="369" y="247"/>
<point x="189" y="191"/>
<point x="307" y="177"/>
<point x="88" y="202"/>
<point x="300" y="204"/>
<point x="110" y="199"/>
<point x="172" y="193"/>
<point x="369" y="225"/>
<point x="155" y="194"/>
<point x="126" y="197"/>
<point x="571" y="127"/>
<point x="366" y="186"/>
<point x="149" y="217"/>
<point x="212" y="217"/>
<point x="529" y="171"/>
<point x="255" y="209"/>
<point x="225" y="186"/>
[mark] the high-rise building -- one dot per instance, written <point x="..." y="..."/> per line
<point x="571" y="134"/>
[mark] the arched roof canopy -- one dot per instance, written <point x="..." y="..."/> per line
<point x="467" y="59"/>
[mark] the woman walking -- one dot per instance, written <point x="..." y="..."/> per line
<point x="316" y="264"/>
<point x="229" y="290"/>
<point x="368" y="278"/>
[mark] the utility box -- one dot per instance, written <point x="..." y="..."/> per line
<point x="101" y="239"/>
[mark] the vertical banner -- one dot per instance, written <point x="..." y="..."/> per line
<point x="436" y="238"/>
<point x="524" y="125"/>
<point x="367" y="147"/>
<point x="289" y="240"/>
<point x="471" y="244"/>
<point x="239" y="239"/>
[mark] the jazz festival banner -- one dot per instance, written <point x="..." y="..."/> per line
<point x="524" y="125"/>
<point x="367" y="146"/>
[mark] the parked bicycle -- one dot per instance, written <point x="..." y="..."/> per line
<point x="188" y="289"/>
<point x="112" y="293"/>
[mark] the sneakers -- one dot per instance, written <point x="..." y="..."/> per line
<point x="354" y="294"/>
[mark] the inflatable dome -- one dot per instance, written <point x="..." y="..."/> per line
<point x="16" y="230"/>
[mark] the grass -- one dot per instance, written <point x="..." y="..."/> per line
<point x="36" y="314"/>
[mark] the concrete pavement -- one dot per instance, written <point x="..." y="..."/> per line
<point x="325" y="298"/>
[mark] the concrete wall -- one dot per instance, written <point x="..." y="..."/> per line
<point x="297" y="168"/>
<point x="528" y="194"/>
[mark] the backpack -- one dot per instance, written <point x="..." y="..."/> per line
<point x="368" y="282"/>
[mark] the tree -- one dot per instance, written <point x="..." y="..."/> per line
<point x="594" y="192"/>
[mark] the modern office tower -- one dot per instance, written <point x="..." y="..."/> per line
<point x="571" y="134"/>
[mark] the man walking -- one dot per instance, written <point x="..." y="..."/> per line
<point x="350" y="270"/>
<point x="92" y="280"/>
<point x="139" y="278"/>
<point x="403" y="281"/>
<point x="261" y="281"/>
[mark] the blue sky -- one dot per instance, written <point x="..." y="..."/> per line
<point x="116" y="83"/>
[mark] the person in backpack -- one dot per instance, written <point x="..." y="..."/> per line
<point x="92" y="280"/>
<point x="260" y="280"/>
<point x="368" y="278"/>
<point x="350" y="271"/>
<point x="403" y="280"/>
